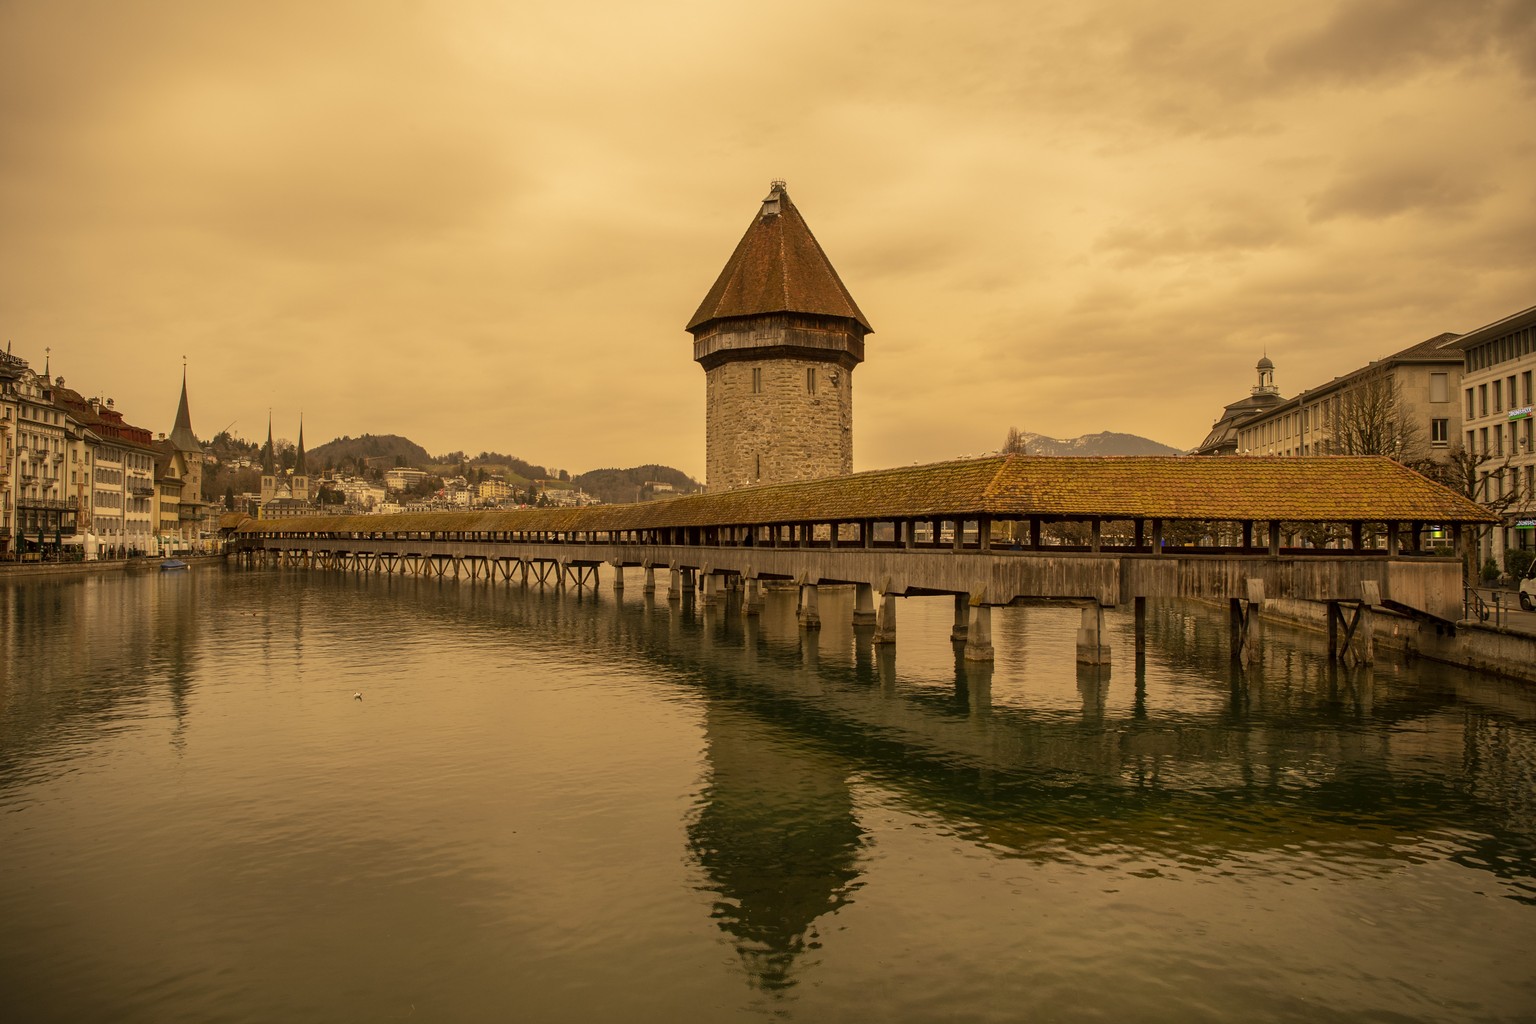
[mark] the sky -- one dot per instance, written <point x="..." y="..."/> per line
<point x="483" y="225"/>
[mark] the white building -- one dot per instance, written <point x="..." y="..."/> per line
<point x="1497" y="419"/>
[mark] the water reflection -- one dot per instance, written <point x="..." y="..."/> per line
<point x="1173" y="757"/>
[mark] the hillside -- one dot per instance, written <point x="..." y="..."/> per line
<point x="622" y="485"/>
<point x="379" y="451"/>
<point x="1103" y="443"/>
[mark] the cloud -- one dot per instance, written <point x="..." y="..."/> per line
<point x="1376" y="192"/>
<point x="1366" y="40"/>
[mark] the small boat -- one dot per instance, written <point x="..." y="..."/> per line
<point x="172" y="564"/>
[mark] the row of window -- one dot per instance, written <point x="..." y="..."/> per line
<point x="1512" y="346"/>
<point x="810" y="380"/>
<point x="1490" y="440"/>
<point x="1498" y="391"/>
<point x="1502" y="482"/>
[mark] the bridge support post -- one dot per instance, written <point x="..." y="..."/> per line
<point x="1357" y="645"/>
<point x="618" y="577"/>
<point x="961" y="628"/>
<point x="863" y="604"/>
<point x="1140" y="605"/>
<point x="675" y="585"/>
<point x="1091" y="649"/>
<point x="810" y="608"/>
<point x="650" y="580"/>
<point x="978" y="640"/>
<point x="708" y="597"/>
<point x="752" y="598"/>
<point x="1246" y="623"/>
<point x="885" y="619"/>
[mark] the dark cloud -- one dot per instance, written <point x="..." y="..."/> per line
<point x="1376" y="192"/>
<point x="1375" y="39"/>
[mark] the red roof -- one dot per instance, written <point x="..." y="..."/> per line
<point x="778" y="267"/>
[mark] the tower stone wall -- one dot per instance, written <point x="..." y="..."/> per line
<point x="778" y="337"/>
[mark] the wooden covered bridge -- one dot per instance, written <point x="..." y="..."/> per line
<point x="1356" y="533"/>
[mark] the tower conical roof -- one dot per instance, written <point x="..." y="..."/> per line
<point x="298" y="459"/>
<point x="181" y="434"/>
<point x="268" y="453"/>
<point x="778" y="267"/>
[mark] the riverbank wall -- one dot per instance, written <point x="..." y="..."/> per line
<point x="30" y="570"/>
<point x="1493" y="649"/>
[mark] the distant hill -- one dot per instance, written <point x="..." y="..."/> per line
<point x="380" y="450"/>
<point x="1104" y="443"/>
<point x="620" y="485"/>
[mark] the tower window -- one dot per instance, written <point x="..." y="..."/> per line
<point x="757" y="380"/>
<point x="810" y="379"/>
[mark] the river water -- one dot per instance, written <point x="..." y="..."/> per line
<point x="559" y="806"/>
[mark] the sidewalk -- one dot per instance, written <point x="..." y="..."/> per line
<point x="1506" y="613"/>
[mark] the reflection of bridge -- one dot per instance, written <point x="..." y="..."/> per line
<point x="989" y="531"/>
<point x="800" y="727"/>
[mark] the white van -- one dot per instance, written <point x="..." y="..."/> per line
<point x="1528" y="589"/>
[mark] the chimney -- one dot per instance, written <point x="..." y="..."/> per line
<point x="96" y="405"/>
<point x="109" y="403"/>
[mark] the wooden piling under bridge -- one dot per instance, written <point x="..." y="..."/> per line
<point x="1357" y="533"/>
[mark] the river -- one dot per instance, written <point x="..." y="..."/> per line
<point x="263" y="795"/>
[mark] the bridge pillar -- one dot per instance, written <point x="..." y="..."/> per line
<point x="978" y="641"/>
<point x="675" y="585"/>
<point x="690" y="583"/>
<point x="649" y="586"/>
<point x="708" y="598"/>
<point x="810" y="608"/>
<point x="1140" y="605"/>
<point x="1091" y="649"/>
<point x="1246" y="624"/>
<point x="961" y="628"/>
<point x="863" y="604"/>
<point x="618" y="577"/>
<point x="752" y="598"/>
<point x="885" y="619"/>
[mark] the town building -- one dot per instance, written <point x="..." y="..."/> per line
<point x="778" y="336"/>
<point x="403" y="478"/>
<point x="191" y="508"/>
<point x="285" y="493"/>
<point x="1222" y="440"/>
<point x="1500" y="448"/>
<point x="43" y="464"/>
<point x="1403" y="406"/>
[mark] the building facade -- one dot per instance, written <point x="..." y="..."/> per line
<point x="1496" y="403"/>
<point x="778" y="336"/>
<point x="1404" y="406"/>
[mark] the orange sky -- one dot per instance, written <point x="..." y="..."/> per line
<point x="483" y="225"/>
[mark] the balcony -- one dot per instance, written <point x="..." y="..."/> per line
<point x="50" y="504"/>
<point x="141" y="488"/>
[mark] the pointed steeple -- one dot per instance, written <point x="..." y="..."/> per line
<point x="778" y="267"/>
<point x="298" y="460"/>
<point x="268" y="453"/>
<point x="181" y="434"/>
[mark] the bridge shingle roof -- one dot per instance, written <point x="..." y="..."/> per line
<point x="1313" y="489"/>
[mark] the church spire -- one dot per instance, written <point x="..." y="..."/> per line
<point x="268" y="453"/>
<point x="298" y="461"/>
<point x="181" y="434"/>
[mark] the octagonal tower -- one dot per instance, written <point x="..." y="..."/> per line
<point x="778" y="336"/>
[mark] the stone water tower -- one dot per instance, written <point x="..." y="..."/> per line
<point x="778" y="336"/>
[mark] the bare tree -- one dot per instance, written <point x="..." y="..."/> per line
<point x="1369" y="417"/>
<point x="1485" y="478"/>
<point x="1014" y="444"/>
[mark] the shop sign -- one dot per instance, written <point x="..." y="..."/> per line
<point x="1520" y="414"/>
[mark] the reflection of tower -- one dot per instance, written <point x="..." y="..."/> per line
<point x="777" y="838"/>
<point x="778" y="336"/>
